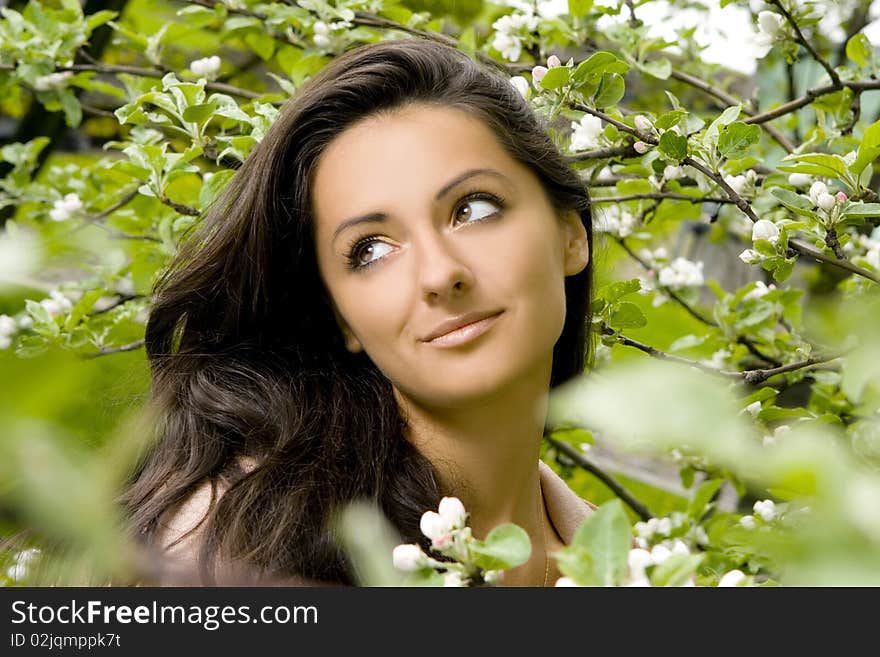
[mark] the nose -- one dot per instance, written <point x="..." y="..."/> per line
<point x="442" y="271"/>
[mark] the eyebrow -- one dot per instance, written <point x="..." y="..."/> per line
<point x="379" y="217"/>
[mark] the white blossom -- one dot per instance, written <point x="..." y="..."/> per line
<point x="816" y="189"/>
<point x="408" y="557"/>
<point x="732" y="578"/>
<point x="643" y="123"/>
<point x="521" y="85"/>
<point x="566" y="581"/>
<point x="800" y="179"/>
<point x="52" y="81"/>
<point x="493" y="577"/>
<point x="754" y="408"/>
<point x="7" y="326"/>
<point x="538" y="73"/>
<point x="826" y="201"/>
<point x="452" y="511"/>
<point x="585" y="133"/>
<point x="671" y="172"/>
<point x="681" y="272"/>
<point x="611" y="219"/>
<point x="206" y="67"/>
<point x="641" y="147"/>
<point x="764" y="229"/>
<point x="553" y="61"/>
<point x="750" y="257"/>
<point x="508" y="45"/>
<point x="769" y="30"/>
<point x="748" y="522"/>
<point x="64" y="208"/>
<point x="664" y="526"/>
<point x="510" y="30"/>
<point x="737" y="183"/>
<point x="766" y="509"/>
<point x="453" y="578"/>
<point x="660" y="553"/>
<point x="56" y="304"/>
<point x="680" y="547"/>
<point x="760" y="289"/>
<point x="638" y="560"/>
<point x="433" y="525"/>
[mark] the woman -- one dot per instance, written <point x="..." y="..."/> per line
<point x="303" y="344"/>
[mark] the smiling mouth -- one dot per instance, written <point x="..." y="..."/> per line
<point x="466" y="333"/>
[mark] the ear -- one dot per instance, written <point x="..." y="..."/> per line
<point x="575" y="243"/>
<point x="351" y="342"/>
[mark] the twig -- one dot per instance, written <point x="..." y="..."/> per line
<point x="180" y="207"/>
<point x="833" y="243"/>
<point x="640" y="509"/>
<point x="134" y="346"/>
<point x="753" y="377"/>
<point x="812" y="94"/>
<point x="660" y="196"/>
<point x="129" y="195"/>
<point x="602" y="153"/>
<point x="799" y="36"/>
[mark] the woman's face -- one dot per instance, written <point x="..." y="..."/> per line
<point x="422" y="217"/>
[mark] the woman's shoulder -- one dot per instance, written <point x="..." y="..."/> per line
<point x="567" y="509"/>
<point x="181" y="531"/>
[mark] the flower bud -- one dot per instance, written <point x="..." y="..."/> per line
<point x="408" y="557"/>
<point x="433" y="526"/>
<point x="521" y="85"/>
<point x="841" y="197"/>
<point x="764" y="229"/>
<point x="816" y="189"/>
<point x="733" y="578"/>
<point x="660" y="553"/>
<point x="826" y="202"/>
<point x="770" y="22"/>
<point x="207" y="67"/>
<point x="538" y="73"/>
<point x="748" y="522"/>
<point x="452" y="511"/>
<point x="453" y="578"/>
<point x="766" y="509"/>
<point x="800" y="179"/>
<point x="493" y="577"/>
<point x="553" y="61"/>
<point x="566" y="581"/>
<point x="643" y="124"/>
<point x="751" y="257"/>
<point x="641" y="147"/>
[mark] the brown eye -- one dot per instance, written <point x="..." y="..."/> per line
<point x="477" y="208"/>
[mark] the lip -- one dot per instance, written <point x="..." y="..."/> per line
<point x="461" y="329"/>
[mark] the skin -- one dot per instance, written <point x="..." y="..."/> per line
<point x="476" y="411"/>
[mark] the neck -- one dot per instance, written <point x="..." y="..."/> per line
<point x="486" y="454"/>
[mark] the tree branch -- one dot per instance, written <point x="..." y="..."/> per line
<point x="134" y="346"/>
<point x="640" y="509"/>
<point x="799" y="36"/>
<point x="658" y="196"/>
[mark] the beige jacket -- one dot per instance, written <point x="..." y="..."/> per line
<point x="566" y="509"/>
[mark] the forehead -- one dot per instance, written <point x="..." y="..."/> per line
<point x="408" y="153"/>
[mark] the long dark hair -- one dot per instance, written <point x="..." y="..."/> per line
<point x="247" y="359"/>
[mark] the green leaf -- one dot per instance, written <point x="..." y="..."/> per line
<point x="556" y="77"/>
<point x="618" y="289"/>
<point x="578" y="8"/>
<point x="795" y="202"/>
<point x="816" y="164"/>
<point x="660" y="69"/>
<point x="606" y="536"/>
<point x="869" y="148"/>
<point x="575" y="561"/>
<point x="213" y="186"/>
<point x="783" y="269"/>
<point x="859" y="49"/>
<point x="610" y="91"/>
<point x="673" y="146"/>
<point x="506" y="546"/>
<point x="728" y="116"/>
<point x="628" y="315"/>
<point x="862" y="210"/>
<point x="71" y="107"/>
<point x="262" y="43"/>
<point x="701" y="497"/>
<point x="199" y="113"/>
<point x="735" y="139"/>
<point x="597" y="64"/>
<point x="676" y="570"/>
<point x="670" y="119"/>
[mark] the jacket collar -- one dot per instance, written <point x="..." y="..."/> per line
<point x="567" y="510"/>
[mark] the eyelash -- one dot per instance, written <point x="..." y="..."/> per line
<point x="355" y="246"/>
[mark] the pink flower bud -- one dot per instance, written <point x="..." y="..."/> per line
<point x="553" y="61"/>
<point x="643" y="123"/>
<point x="840" y="196"/>
<point x="538" y="73"/>
<point x="641" y="147"/>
